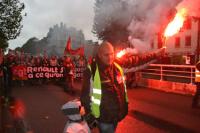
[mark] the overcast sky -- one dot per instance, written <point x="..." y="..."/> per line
<point x="43" y="14"/>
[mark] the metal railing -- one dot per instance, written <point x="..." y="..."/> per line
<point x="167" y="72"/>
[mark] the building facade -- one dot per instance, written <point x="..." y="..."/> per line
<point x="185" y="43"/>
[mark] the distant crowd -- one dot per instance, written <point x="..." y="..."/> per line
<point x="17" y="68"/>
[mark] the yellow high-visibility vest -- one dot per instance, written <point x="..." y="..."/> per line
<point x="95" y="90"/>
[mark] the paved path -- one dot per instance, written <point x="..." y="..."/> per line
<point x="166" y="111"/>
<point x="149" y="110"/>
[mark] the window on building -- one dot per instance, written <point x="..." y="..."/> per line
<point x="177" y="42"/>
<point x="188" y="41"/>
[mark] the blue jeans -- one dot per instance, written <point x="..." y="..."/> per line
<point x="107" y="127"/>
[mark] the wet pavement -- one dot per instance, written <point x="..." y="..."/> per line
<point x="150" y="110"/>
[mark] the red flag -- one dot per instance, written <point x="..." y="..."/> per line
<point x="68" y="46"/>
<point x="78" y="51"/>
<point x="81" y="51"/>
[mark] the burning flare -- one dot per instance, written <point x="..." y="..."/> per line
<point x="175" y="25"/>
<point x="127" y="51"/>
<point x="120" y="54"/>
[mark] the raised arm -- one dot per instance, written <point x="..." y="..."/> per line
<point x="142" y="59"/>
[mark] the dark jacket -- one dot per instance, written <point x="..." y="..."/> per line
<point x="113" y="106"/>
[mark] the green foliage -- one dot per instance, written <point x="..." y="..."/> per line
<point x="3" y="42"/>
<point x="29" y="46"/>
<point x="10" y="20"/>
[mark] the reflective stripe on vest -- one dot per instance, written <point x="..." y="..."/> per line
<point x="95" y="93"/>
<point x="123" y="79"/>
<point x="95" y="90"/>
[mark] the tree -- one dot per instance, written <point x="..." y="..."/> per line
<point x="30" y="46"/>
<point x="10" y="20"/>
<point x="3" y="41"/>
<point x="55" y="41"/>
<point x="111" y="21"/>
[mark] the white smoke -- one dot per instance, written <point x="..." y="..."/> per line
<point x="192" y="6"/>
<point x="138" y="44"/>
<point x="112" y="10"/>
<point x="145" y="18"/>
<point x="148" y="18"/>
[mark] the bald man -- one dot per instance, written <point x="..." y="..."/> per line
<point x="104" y="94"/>
<point x="106" y="53"/>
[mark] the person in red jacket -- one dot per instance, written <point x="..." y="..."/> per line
<point x="69" y="74"/>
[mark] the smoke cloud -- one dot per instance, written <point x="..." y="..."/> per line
<point x="148" y="18"/>
<point x="112" y="10"/>
<point x="143" y="18"/>
<point x="192" y="6"/>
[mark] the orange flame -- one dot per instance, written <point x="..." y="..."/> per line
<point x="175" y="25"/>
<point x="120" y="54"/>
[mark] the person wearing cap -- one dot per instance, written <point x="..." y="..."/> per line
<point x="74" y="112"/>
<point x="104" y="94"/>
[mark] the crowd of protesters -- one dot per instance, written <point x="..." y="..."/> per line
<point x="13" y="62"/>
